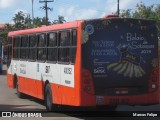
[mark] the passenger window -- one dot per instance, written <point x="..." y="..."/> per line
<point x="24" y="47"/>
<point x="17" y="45"/>
<point x="64" y="45"/>
<point x="42" y="51"/>
<point x="33" y="41"/>
<point x="73" y="48"/>
<point x="32" y="49"/>
<point x="74" y="38"/>
<point x="17" y="42"/>
<point x="52" y="39"/>
<point x="64" y="38"/>
<point x="24" y="41"/>
<point x="42" y="40"/>
<point x="52" y="47"/>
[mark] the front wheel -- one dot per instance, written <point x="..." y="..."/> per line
<point x="48" y="98"/>
<point x="19" y="94"/>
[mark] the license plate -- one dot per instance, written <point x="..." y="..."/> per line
<point x="116" y="101"/>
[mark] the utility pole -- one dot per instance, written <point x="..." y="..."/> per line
<point x="118" y="7"/>
<point x="32" y="10"/>
<point x="46" y="8"/>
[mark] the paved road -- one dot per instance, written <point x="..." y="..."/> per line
<point x="10" y="102"/>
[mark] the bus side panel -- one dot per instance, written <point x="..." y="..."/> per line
<point x="56" y="93"/>
<point x="68" y="96"/>
<point x="10" y="82"/>
<point x="32" y="87"/>
<point x="22" y="84"/>
<point x="40" y="89"/>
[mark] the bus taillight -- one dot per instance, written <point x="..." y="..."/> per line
<point x="87" y="81"/>
<point x="154" y="81"/>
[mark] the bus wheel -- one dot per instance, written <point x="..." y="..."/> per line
<point x="19" y="94"/>
<point x="48" y="98"/>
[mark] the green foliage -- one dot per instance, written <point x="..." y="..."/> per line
<point x="60" y="20"/>
<point x="144" y="12"/>
<point x="3" y="37"/>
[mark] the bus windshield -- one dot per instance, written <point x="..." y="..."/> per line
<point x="120" y="53"/>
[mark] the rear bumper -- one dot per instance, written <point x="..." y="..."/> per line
<point x="144" y="99"/>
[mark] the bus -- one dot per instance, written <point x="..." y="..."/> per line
<point x="103" y="62"/>
<point x="1" y="57"/>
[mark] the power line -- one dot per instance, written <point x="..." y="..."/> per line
<point x="46" y="8"/>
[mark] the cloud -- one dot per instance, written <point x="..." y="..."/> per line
<point x="10" y="3"/>
<point x="7" y="3"/>
<point x="75" y="13"/>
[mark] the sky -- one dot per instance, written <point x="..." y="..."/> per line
<point x="70" y="9"/>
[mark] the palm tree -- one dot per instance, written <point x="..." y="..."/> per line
<point x="27" y="21"/>
<point x="37" y="22"/>
<point x="60" y="20"/>
<point x="19" y="20"/>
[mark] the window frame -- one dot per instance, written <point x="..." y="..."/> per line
<point x="18" y="57"/>
<point x="52" y="47"/>
<point x="64" y="47"/>
<point x="33" y="47"/>
<point x="25" y="48"/>
<point x="44" y="47"/>
<point x="73" y="46"/>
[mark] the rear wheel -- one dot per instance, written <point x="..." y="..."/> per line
<point x="19" y="94"/>
<point x="48" y="98"/>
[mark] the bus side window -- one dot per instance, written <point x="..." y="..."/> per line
<point x="17" y="44"/>
<point x="64" y="44"/>
<point x="9" y="52"/>
<point x="9" y="49"/>
<point x="24" y="47"/>
<point x="73" y="47"/>
<point x="32" y="47"/>
<point x="42" y="52"/>
<point x="52" y="47"/>
<point x="9" y="40"/>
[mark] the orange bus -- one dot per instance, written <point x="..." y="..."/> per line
<point x="98" y="62"/>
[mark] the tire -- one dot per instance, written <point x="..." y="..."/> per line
<point x="48" y="98"/>
<point x="19" y="94"/>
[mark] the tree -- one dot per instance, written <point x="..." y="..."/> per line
<point x="8" y="27"/>
<point x="144" y="12"/>
<point x="60" y="20"/>
<point x="37" y="22"/>
<point x="126" y="13"/>
<point x="3" y="37"/>
<point x="19" y="20"/>
<point x="28" y="21"/>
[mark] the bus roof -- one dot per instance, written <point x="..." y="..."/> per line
<point x="46" y="28"/>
